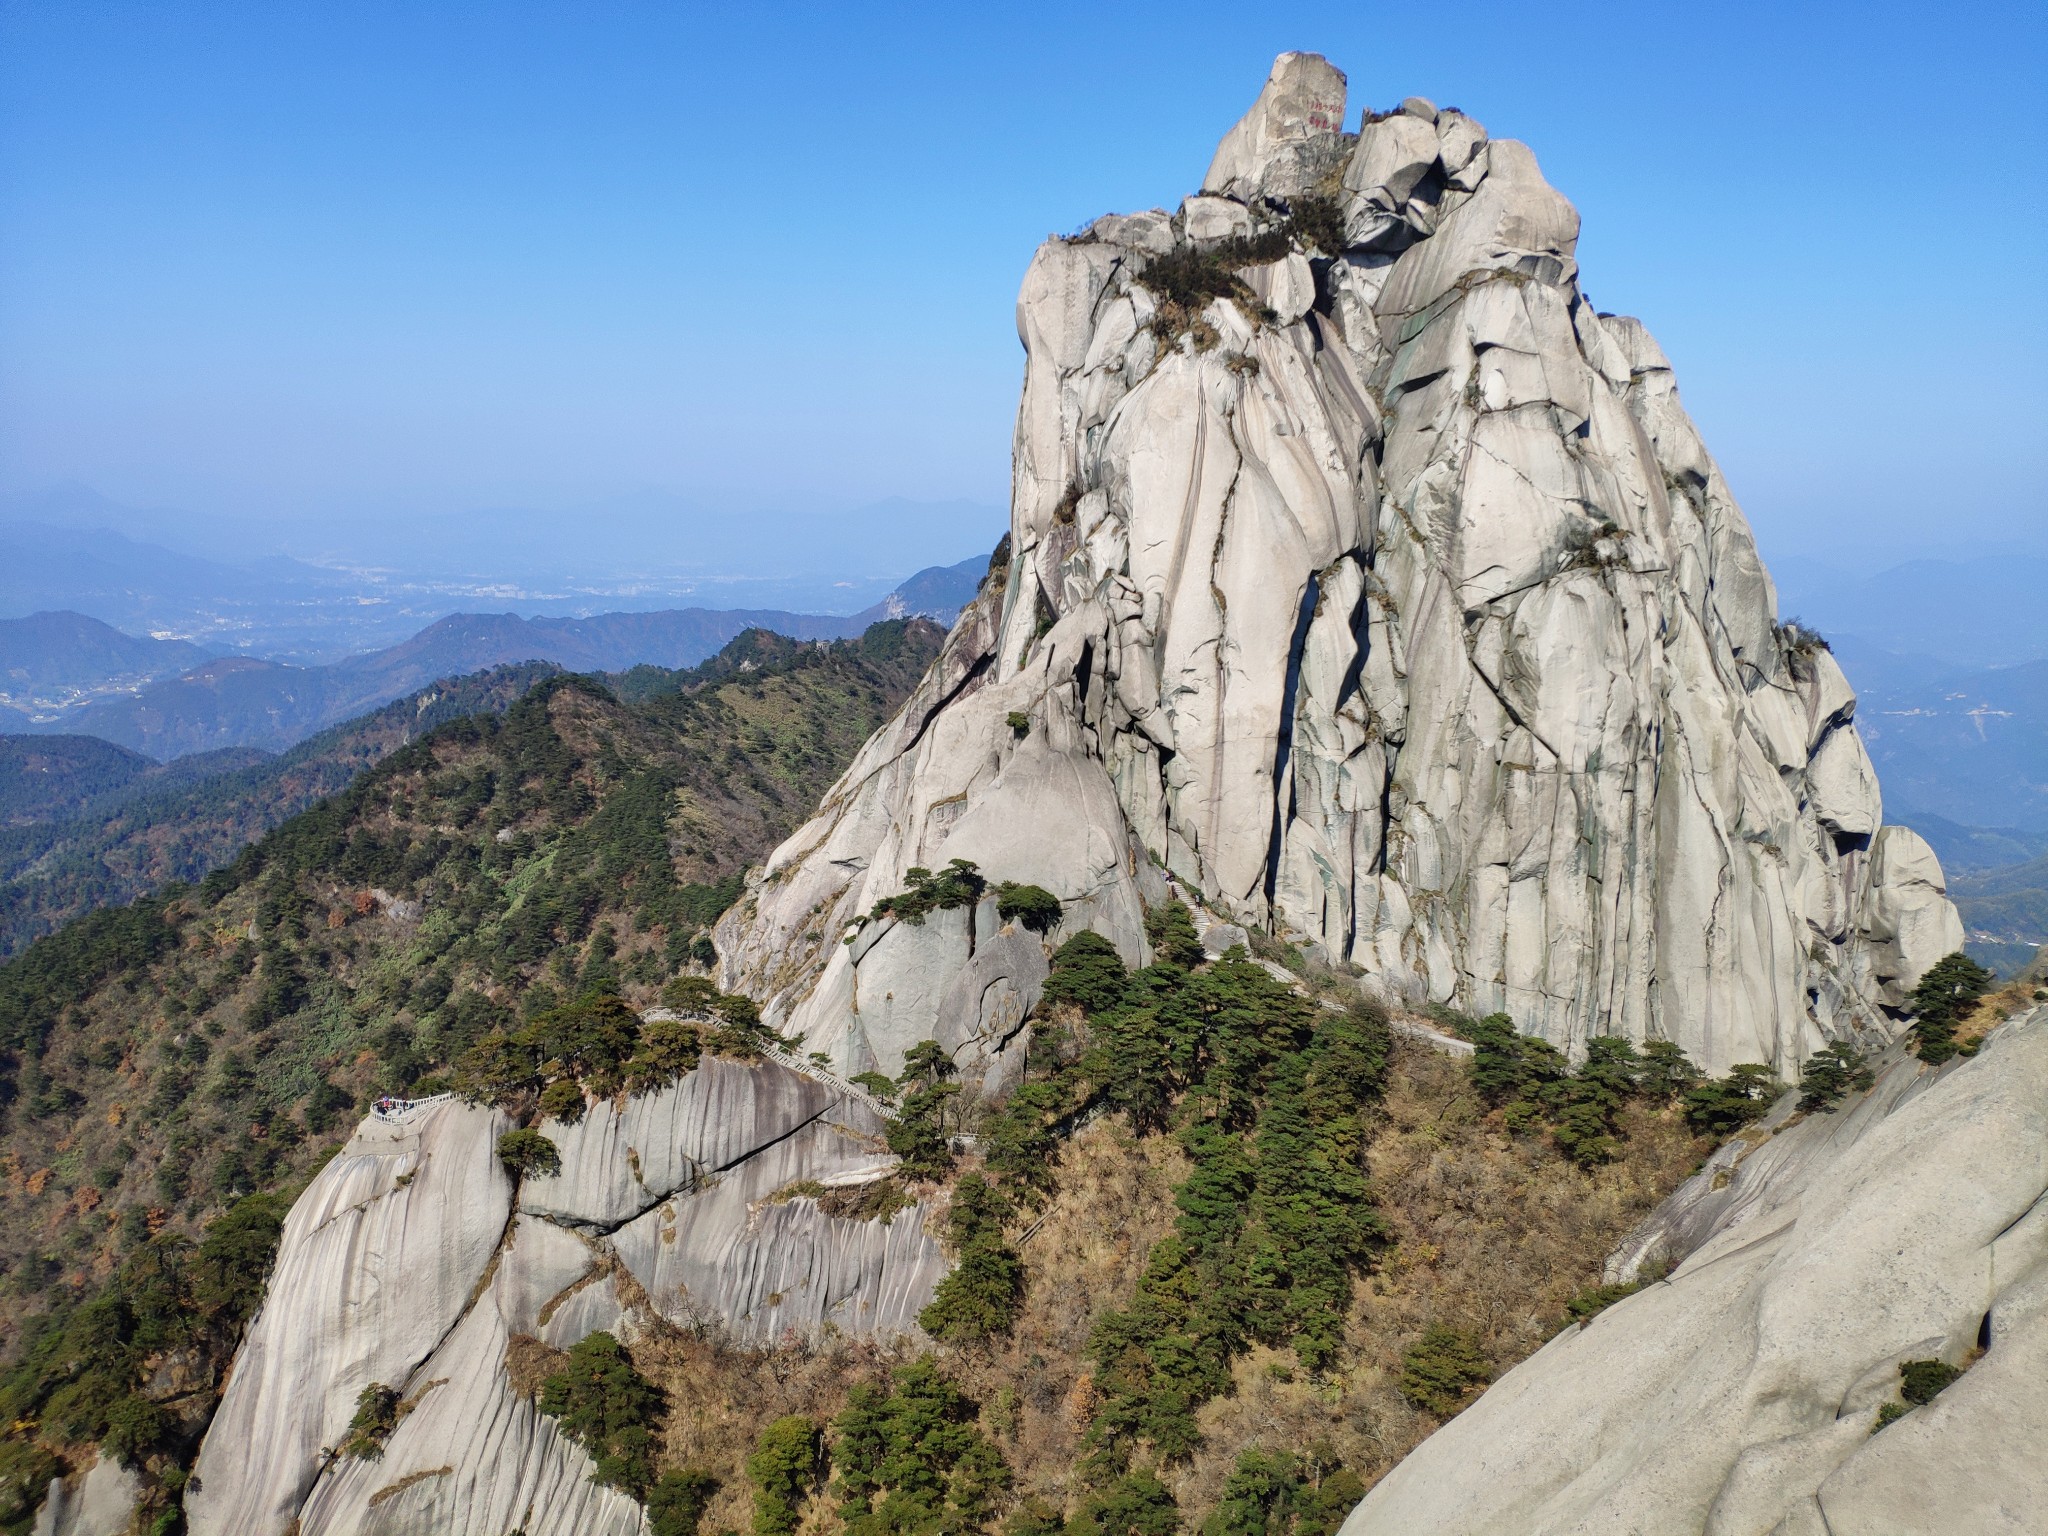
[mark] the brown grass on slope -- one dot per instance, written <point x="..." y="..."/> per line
<point x="1491" y="1233"/>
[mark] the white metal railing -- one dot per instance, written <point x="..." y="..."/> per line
<point x="393" y="1108"/>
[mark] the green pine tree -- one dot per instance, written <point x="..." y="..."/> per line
<point x="606" y="1406"/>
<point x="785" y="1466"/>
<point x="1941" y="1000"/>
<point x="1442" y="1369"/>
<point x="1832" y="1074"/>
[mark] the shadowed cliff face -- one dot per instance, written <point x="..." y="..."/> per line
<point x="1384" y="597"/>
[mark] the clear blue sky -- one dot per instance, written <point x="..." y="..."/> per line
<point x="325" y="261"/>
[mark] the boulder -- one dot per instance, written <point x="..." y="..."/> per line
<point x="1843" y="784"/>
<point x="1150" y="231"/>
<point x="1222" y="938"/>
<point x="1210" y="219"/>
<point x="1393" y="154"/>
<point x="1909" y="923"/>
<point x="1459" y="141"/>
<point x="1287" y="287"/>
<point x="101" y="1503"/>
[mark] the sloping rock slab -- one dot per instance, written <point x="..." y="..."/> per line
<point x="1740" y="1394"/>
<point x="472" y="1458"/>
<point x="620" y="1160"/>
<point x="764" y="1269"/>
<point x="378" y="1260"/>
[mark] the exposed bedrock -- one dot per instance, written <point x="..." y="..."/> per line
<point x="412" y="1263"/>
<point x="1740" y="1394"/>
<point x="378" y="1261"/>
<point x="1394" y="606"/>
<point x="100" y="1503"/>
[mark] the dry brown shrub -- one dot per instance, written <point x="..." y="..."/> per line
<point x="1992" y="1010"/>
<point x="876" y="1200"/>
<point x="393" y="1490"/>
<point x="1115" y="1201"/>
<point x="530" y="1363"/>
<point x="722" y="1396"/>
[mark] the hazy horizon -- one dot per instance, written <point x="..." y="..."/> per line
<point x="315" y="279"/>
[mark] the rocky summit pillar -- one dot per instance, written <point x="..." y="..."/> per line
<point x="1371" y="587"/>
<point x="1280" y="147"/>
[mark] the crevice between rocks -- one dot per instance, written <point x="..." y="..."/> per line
<point x="606" y="1229"/>
<point x="1283" y="748"/>
<point x="974" y="673"/>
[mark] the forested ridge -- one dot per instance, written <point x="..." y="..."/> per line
<point x="122" y="835"/>
<point x="172" y="1070"/>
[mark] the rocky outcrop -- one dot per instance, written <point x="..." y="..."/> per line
<point x="768" y="1264"/>
<point x="471" y="1455"/>
<point x="621" y="1159"/>
<point x="101" y="1503"/>
<point x="379" y="1260"/>
<point x="411" y="1262"/>
<point x="1741" y="1393"/>
<point x="1391" y="604"/>
<point x="696" y="1187"/>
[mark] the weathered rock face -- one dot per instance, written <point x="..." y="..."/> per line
<point x="1290" y="140"/>
<point x="101" y="1503"/>
<point x="1399" y="610"/>
<point x="377" y="1263"/>
<point x="1739" y="1395"/>
<point x="412" y="1263"/>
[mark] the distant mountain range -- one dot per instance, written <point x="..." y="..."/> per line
<point x="1962" y="756"/>
<point x="1966" y="744"/>
<point x="144" y="588"/>
<point x="315" y="592"/>
<point x="52" y="662"/>
<point x="242" y="701"/>
<point x="1965" y="850"/>
<point x="54" y="778"/>
<point x="86" y="824"/>
<point x="1983" y="612"/>
<point x="2005" y="912"/>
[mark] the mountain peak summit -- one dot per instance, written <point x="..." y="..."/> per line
<point x="1386" y="601"/>
<point x="1289" y="137"/>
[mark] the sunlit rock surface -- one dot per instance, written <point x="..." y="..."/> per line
<point x="1740" y="1394"/>
<point x="100" y="1503"/>
<point x="378" y="1263"/>
<point x="1397" y="608"/>
<point x="412" y="1263"/>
